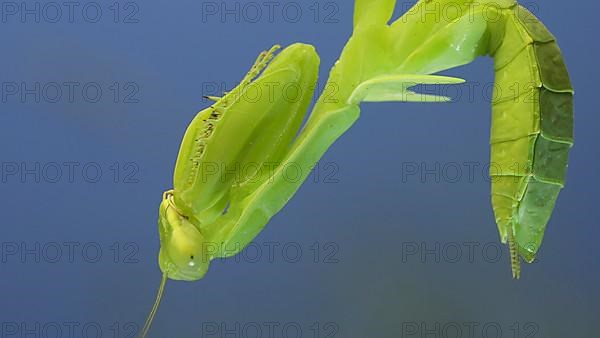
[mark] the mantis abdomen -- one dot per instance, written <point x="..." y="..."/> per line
<point x="532" y="130"/>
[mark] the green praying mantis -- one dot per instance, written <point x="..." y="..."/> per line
<point x="208" y="216"/>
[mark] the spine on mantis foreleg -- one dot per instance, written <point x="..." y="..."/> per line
<point x="532" y="130"/>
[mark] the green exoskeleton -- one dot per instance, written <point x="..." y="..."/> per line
<point x="218" y="205"/>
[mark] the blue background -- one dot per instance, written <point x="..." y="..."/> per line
<point x="353" y="222"/>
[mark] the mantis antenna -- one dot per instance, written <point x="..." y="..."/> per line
<point x="159" y="295"/>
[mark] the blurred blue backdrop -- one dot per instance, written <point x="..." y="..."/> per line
<point x="95" y="99"/>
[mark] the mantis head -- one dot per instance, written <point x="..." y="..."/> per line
<point x="183" y="252"/>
